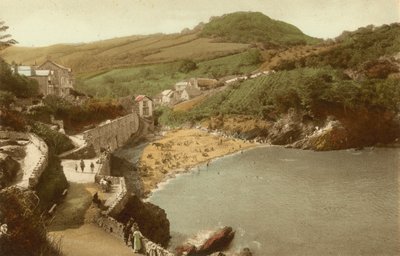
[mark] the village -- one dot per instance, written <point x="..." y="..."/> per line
<point x="88" y="164"/>
<point x="138" y="128"/>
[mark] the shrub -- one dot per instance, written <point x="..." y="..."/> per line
<point x="56" y="141"/>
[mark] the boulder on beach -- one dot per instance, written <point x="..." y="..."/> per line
<point x="216" y="242"/>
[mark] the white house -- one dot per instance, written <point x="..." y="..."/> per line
<point x="189" y="93"/>
<point x="145" y="105"/>
<point x="167" y="97"/>
<point x="180" y="86"/>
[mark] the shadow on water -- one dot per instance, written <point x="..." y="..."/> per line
<point x="286" y="201"/>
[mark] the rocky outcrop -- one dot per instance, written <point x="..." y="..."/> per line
<point x="151" y="219"/>
<point x="8" y="170"/>
<point x="218" y="241"/>
<point x="298" y="129"/>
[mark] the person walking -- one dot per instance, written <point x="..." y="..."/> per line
<point x="92" y="167"/>
<point x="76" y="167"/>
<point x="136" y="238"/>
<point x="127" y="230"/>
<point x="82" y="165"/>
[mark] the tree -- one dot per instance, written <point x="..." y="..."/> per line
<point x="187" y="65"/>
<point x="5" y="39"/>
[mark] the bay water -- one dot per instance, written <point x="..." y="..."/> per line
<point x="291" y="202"/>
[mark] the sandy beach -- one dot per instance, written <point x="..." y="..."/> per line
<point x="179" y="150"/>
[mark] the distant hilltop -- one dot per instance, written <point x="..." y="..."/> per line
<point x="254" y="27"/>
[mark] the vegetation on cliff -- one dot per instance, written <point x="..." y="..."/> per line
<point x="355" y="48"/>
<point x="19" y="86"/>
<point x="26" y="233"/>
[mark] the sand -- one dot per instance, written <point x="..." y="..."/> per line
<point x="180" y="150"/>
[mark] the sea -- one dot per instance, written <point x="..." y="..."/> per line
<point x="284" y="201"/>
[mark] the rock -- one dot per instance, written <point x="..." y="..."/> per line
<point x="14" y="151"/>
<point x="217" y="242"/>
<point x="218" y="254"/>
<point x="9" y="168"/>
<point x="186" y="249"/>
<point x="245" y="252"/>
<point x="152" y="220"/>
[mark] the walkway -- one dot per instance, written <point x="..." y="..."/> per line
<point x="28" y="164"/>
<point x="74" y="218"/>
<point x="72" y="175"/>
<point x="90" y="240"/>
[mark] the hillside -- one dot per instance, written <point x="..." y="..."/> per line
<point x="222" y="36"/>
<point x="152" y="79"/>
<point x="123" y="52"/>
<point x="254" y="27"/>
<point x="352" y="49"/>
<point x="314" y="90"/>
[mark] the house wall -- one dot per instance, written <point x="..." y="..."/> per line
<point x="63" y="78"/>
<point x="43" y="82"/>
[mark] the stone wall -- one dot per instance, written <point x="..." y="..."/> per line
<point x="116" y="228"/>
<point x="111" y="135"/>
<point x="121" y="198"/>
<point x="42" y="162"/>
<point x="41" y="165"/>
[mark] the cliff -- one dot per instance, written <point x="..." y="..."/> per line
<point x="298" y="129"/>
<point x="152" y="220"/>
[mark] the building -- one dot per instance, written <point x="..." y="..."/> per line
<point x="189" y="93"/>
<point x="52" y="78"/>
<point x="180" y="86"/>
<point x="63" y="83"/>
<point x="145" y="105"/>
<point x="167" y="97"/>
<point x="44" y="78"/>
<point x="204" y="83"/>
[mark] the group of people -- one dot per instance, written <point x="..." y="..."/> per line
<point x="105" y="184"/>
<point x="82" y="164"/>
<point x="132" y="235"/>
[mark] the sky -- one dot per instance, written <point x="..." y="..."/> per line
<point x="46" y="22"/>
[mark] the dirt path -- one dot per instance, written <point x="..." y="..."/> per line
<point x="74" y="225"/>
<point x="90" y="240"/>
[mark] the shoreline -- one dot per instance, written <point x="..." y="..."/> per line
<point x="180" y="172"/>
<point x="180" y="151"/>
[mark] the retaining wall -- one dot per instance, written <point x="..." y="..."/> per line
<point x="113" y="134"/>
<point x="122" y="197"/>
<point x="41" y="165"/>
<point x="116" y="228"/>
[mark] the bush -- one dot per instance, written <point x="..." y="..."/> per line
<point x="56" y="141"/>
<point x="12" y="119"/>
<point x="186" y="66"/>
<point x="52" y="183"/>
<point x="6" y="99"/>
<point x="20" y="86"/>
<point x="26" y="232"/>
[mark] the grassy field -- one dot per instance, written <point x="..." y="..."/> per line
<point x="152" y="79"/>
<point x="124" y="52"/>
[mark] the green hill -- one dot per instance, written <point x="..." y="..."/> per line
<point x="355" y="48"/>
<point x="254" y="27"/>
